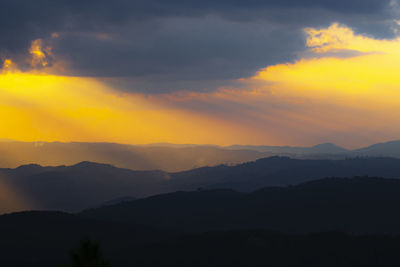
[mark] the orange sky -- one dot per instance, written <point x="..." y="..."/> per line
<point x="346" y="90"/>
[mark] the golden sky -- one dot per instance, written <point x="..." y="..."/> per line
<point x="345" y="89"/>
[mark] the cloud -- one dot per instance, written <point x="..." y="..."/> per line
<point x="160" y="46"/>
<point x="352" y="101"/>
<point x="40" y="55"/>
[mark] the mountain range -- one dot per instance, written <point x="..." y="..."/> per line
<point x="84" y="185"/>
<point x="171" y="157"/>
<point x="152" y="157"/>
<point x="320" y="149"/>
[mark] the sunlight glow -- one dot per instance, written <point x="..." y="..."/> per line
<point x="347" y="91"/>
<point x="37" y="106"/>
<point x="370" y="77"/>
<point x="39" y="54"/>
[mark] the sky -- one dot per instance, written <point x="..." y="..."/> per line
<point x="287" y="72"/>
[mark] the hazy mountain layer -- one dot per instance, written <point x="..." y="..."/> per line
<point x="171" y="157"/>
<point x="159" y="157"/>
<point x="84" y="185"/>
<point x="75" y="187"/>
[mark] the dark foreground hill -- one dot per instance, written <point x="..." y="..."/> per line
<point x="73" y="188"/>
<point x="262" y="248"/>
<point x="45" y="238"/>
<point x="359" y="205"/>
<point x="216" y="249"/>
<point x="275" y="226"/>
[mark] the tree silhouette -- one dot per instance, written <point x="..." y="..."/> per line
<point x="87" y="255"/>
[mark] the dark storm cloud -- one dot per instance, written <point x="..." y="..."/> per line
<point x="206" y="48"/>
<point x="167" y="45"/>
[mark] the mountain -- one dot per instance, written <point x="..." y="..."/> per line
<point x="388" y="149"/>
<point x="152" y="157"/>
<point x="76" y="187"/>
<point x="320" y="149"/>
<point x="281" y="171"/>
<point x="359" y="205"/>
<point x="118" y="201"/>
<point x="329" y="150"/>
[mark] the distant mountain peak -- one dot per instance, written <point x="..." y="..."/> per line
<point x="29" y="167"/>
<point x="329" y="148"/>
<point x="326" y="145"/>
<point x="390" y="149"/>
<point x="90" y="164"/>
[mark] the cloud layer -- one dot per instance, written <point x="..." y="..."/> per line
<point x="349" y="100"/>
<point x="159" y="46"/>
<point x="223" y="72"/>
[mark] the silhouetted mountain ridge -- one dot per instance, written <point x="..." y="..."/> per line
<point x="357" y="205"/>
<point x="72" y="188"/>
<point x="45" y="239"/>
<point x="311" y="222"/>
<point x="320" y="149"/>
<point x="87" y="184"/>
<point x="388" y="149"/>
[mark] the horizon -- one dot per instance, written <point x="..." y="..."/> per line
<point x="5" y="140"/>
